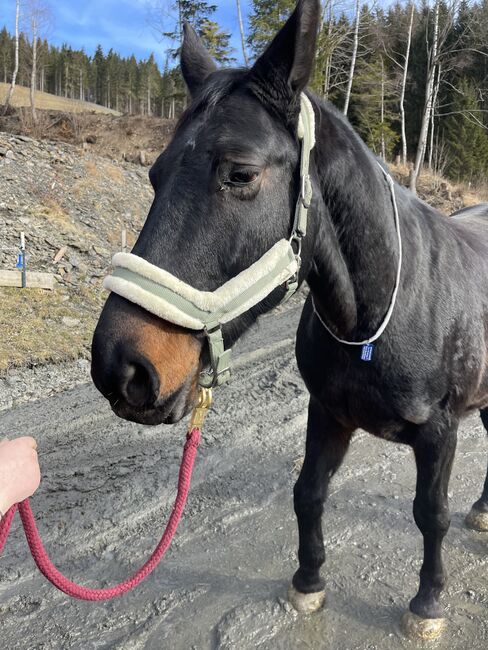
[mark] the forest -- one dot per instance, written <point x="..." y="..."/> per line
<point x="412" y="77"/>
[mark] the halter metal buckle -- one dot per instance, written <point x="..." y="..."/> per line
<point x="297" y="239"/>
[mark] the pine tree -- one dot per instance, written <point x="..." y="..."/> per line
<point x="216" y="41"/>
<point x="374" y="107"/>
<point x="267" y="17"/>
<point x="131" y="89"/>
<point x="5" y="54"/>
<point x="152" y="83"/>
<point x="466" y="137"/>
<point x="194" y="12"/>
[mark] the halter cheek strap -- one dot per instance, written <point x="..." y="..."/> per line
<point x="167" y="297"/>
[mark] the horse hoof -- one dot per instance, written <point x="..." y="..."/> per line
<point x="306" y="603"/>
<point x="477" y="520"/>
<point x="297" y="465"/>
<point x="416" y="627"/>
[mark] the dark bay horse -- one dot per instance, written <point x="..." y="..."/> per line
<point x="225" y="191"/>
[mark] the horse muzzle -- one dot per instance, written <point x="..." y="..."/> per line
<point x="168" y="410"/>
<point x="147" y="369"/>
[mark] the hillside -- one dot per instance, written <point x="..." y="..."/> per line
<point x="132" y="138"/>
<point x="63" y="198"/>
<point x="46" y="101"/>
<point x="73" y="200"/>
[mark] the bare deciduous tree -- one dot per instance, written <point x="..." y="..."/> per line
<point x="353" y="57"/>
<point x="404" y="84"/>
<point x="440" y="51"/>
<point x="429" y="95"/>
<point x="241" y="29"/>
<point x="382" y="111"/>
<point x="335" y="58"/>
<point x="35" y="31"/>
<point x="8" y="99"/>
<point x="37" y="16"/>
<point x="433" y="111"/>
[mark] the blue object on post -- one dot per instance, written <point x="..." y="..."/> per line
<point x="20" y="261"/>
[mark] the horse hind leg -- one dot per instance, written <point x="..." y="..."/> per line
<point x="478" y="515"/>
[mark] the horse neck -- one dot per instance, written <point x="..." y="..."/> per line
<point x="356" y="251"/>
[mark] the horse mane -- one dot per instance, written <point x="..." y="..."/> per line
<point x="217" y="86"/>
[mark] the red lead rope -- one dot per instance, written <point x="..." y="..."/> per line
<point x="54" y="576"/>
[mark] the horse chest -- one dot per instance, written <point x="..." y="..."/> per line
<point x="361" y="395"/>
<point x="374" y="407"/>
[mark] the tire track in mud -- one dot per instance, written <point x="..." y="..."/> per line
<point x="108" y="487"/>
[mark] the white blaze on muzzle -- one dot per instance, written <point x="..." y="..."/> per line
<point x="167" y="297"/>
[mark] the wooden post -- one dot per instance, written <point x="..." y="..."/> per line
<point x="124" y="240"/>
<point x="24" y="265"/>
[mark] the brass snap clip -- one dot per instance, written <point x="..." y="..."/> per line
<point x="201" y="409"/>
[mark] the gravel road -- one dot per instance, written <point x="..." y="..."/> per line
<point x="108" y="486"/>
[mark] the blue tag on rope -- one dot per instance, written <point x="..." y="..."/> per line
<point x="367" y="352"/>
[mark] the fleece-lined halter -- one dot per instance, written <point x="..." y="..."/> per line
<point x="164" y="295"/>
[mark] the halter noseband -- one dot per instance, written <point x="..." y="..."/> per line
<point x="167" y="297"/>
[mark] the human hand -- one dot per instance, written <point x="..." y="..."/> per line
<point x="20" y="474"/>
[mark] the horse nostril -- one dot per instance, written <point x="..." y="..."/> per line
<point x="139" y="383"/>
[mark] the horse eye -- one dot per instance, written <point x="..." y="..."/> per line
<point x="242" y="176"/>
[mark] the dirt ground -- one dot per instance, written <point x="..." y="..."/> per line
<point x="108" y="486"/>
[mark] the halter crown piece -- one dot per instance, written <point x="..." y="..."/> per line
<point x="164" y="295"/>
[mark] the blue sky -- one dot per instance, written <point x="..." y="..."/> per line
<point x="124" y="25"/>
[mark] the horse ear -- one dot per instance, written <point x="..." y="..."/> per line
<point x="283" y="70"/>
<point x="196" y="62"/>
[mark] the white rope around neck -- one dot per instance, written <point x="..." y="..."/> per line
<point x="389" y="313"/>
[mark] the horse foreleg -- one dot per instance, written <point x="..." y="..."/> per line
<point x="326" y="446"/>
<point x="434" y="448"/>
<point x="478" y="516"/>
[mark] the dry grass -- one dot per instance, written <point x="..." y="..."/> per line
<point x="104" y="169"/>
<point x="88" y="188"/>
<point x="32" y="328"/>
<point x="49" y="208"/>
<point x="46" y="101"/>
<point x="445" y="195"/>
<point x="470" y="193"/>
<point x="474" y="194"/>
<point x="114" y="173"/>
<point x="51" y="211"/>
<point x="92" y="170"/>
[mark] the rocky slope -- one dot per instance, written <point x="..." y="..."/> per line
<point x="72" y="206"/>
<point x="64" y="197"/>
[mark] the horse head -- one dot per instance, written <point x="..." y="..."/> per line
<point x="225" y="191"/>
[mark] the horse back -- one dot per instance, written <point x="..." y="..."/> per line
<point x="472" y="224"/>
<point x="480" y="210"/>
